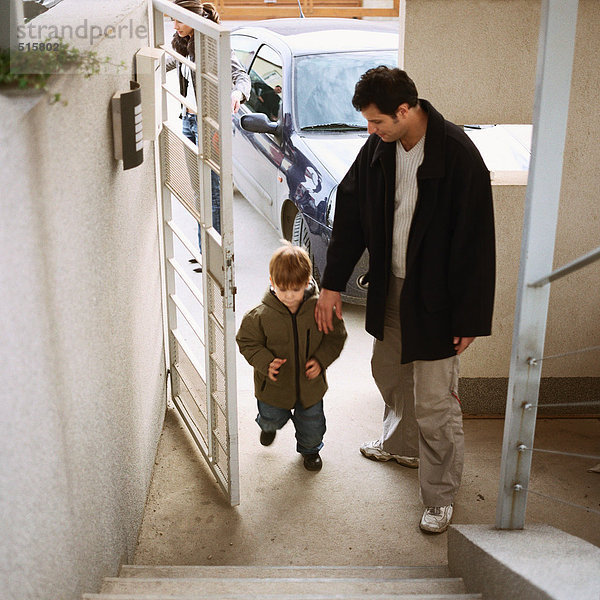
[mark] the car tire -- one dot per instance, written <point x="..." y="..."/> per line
<point x="301" y="237"/>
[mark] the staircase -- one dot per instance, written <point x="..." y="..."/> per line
<point x="282" y="583"/>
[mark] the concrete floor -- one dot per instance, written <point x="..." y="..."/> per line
<point x="355" y="511"/>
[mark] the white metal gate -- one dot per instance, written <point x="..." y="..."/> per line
<point x="200" y="307"/>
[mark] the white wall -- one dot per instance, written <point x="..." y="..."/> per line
<point x="83" y="385"/>
<point x="476" y="62"/>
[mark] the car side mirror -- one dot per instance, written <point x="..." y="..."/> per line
<point x="259" y="123"/>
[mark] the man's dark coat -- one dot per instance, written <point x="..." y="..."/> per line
<point x="450" y="260"/>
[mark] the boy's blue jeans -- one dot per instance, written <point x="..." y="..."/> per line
<point x="309" y="424"/>
<point x="190" y="130"/>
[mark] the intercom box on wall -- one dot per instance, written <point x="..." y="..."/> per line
<point x="127" y="126"/>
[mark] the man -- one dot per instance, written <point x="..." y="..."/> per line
<point x="418" y="197"/>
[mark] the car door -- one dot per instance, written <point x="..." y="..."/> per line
<point x="257" y="156"/>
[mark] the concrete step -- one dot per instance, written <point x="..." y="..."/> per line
<point x="260" y="587"/>
<point x="308" y="572"/>
<point x="279" y="596"/>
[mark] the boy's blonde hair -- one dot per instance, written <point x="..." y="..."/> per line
<point x="290" y="267"/>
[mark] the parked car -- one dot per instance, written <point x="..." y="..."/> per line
<point x="298" y="133"/>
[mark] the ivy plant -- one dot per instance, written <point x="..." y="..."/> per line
<point x="31" y="66"/>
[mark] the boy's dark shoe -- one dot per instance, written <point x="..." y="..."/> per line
<point x="312" y="462"/>
<point x="267" y="437"/>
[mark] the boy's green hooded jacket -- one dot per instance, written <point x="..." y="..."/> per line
<point x="271" y="331"/>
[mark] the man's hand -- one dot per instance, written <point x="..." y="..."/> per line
<point x="328" y="300"/>
<point x="313" y="368"/>
<point x="274" y="367"/>
<point x="462" y="343"/>
<point x="236" y="100"/>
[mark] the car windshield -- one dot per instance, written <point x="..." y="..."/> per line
<point x="324" y="87"/>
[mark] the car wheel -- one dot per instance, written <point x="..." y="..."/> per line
<point x="301" y="237"/>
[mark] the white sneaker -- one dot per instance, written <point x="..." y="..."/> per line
<point x="436" y="519"/>
<point x="374" y="451"/>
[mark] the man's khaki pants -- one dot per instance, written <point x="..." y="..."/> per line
<point x="422" y="414"/>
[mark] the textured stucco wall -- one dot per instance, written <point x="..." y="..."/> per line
<point x="573" y="319"/>
<point x="574" y="311"/>
<point x="490" y="356"/>
<point x="474" y="59"/>
<point x="83" y="386"/>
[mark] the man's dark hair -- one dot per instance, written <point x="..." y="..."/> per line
<point x="386" y="88"/>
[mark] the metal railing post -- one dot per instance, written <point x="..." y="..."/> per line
<point x="553" y="86"/>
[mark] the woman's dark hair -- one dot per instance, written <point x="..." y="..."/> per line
<point x="386" y="88"/>
<point x="185" y="45"/>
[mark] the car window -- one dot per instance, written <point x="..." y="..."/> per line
<point x="244" y="47"/>
<point x="266" y="76"/>
<point x="324" y="85"/>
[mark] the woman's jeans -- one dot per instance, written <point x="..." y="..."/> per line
<point x="190" y="130"/>
<point x="309" y="423"/>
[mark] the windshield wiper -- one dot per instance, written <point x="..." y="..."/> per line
<point x="339" y="126"/>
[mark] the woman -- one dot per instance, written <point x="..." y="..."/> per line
<point x="183" y="43"/>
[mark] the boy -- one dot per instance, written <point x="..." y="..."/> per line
<point x="280" y="339"/>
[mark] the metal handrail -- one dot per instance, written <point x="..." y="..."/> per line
<point x="182" y="59"/>
<point x="558" y="25"/>
<point x="520" y="488"/>
<point x="524" y="448"/>
<point x="535" y="361"/>
<point x="561" y="404"/>
<point x="575" y="265"/>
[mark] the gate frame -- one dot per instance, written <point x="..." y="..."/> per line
<point x="218" y="256"/>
